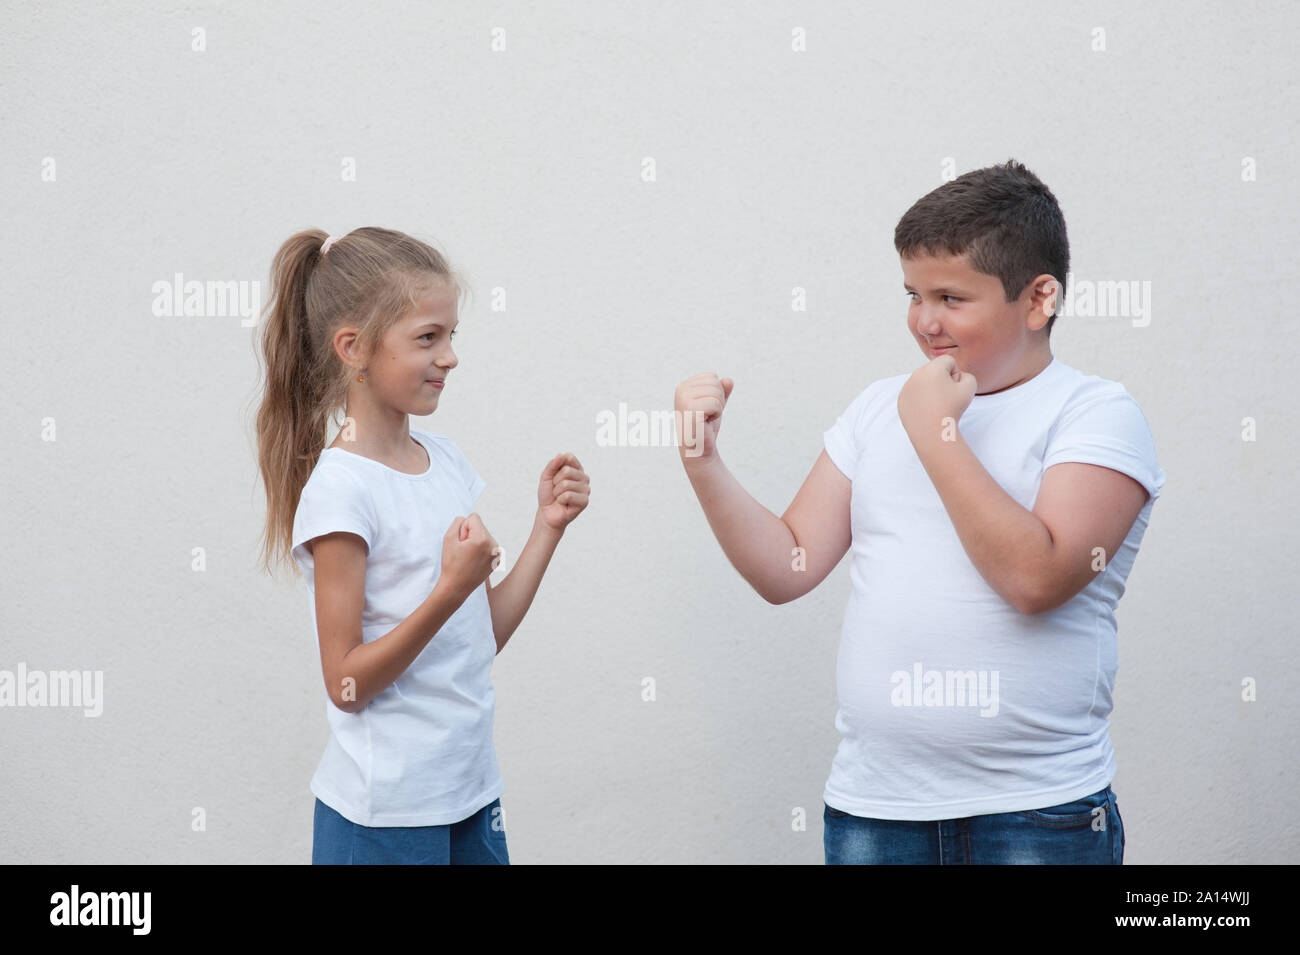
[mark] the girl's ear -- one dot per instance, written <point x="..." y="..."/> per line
<point x="347" y="346"/>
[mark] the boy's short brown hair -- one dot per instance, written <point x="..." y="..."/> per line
<point x="1002" y="218"/>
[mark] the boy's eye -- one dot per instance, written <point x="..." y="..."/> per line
<point x="912" y="296"/>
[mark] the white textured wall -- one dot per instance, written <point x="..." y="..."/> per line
<point x="775" y="169"/>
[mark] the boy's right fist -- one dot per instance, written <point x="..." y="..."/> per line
<point x="698" y="403"/>
<point x="469" y="555"/>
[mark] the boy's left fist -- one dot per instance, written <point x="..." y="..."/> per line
<point x="935" y="392"/>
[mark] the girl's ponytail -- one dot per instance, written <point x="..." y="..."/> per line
<point x="291" y="426"/>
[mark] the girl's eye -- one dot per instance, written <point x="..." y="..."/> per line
<point x="954" y="299"/>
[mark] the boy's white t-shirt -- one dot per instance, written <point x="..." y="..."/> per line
<point x="951" y="702"/>
<point x="420" y="753"/>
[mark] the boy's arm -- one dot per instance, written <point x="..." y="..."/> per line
<point x="782" y="558"/>
<point x="1036" y="560"/>
<point x="1088" y="511"/>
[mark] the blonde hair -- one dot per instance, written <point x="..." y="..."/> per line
<point x="368" y="279"/>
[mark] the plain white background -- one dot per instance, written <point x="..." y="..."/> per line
<point x="775" y="169"/>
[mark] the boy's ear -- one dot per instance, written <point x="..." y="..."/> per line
<point x="1044" y="300"/>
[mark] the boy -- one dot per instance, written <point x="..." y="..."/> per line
<point x="994" y="501"/>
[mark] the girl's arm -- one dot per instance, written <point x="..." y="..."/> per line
<point x="511" y="598"/>
<point x="562" y="494"/>
<point x="356" y="672"/>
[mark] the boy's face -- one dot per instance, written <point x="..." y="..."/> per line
<point x="1001" y="343"/>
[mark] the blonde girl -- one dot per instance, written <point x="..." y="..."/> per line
<point x="396" y="561"/>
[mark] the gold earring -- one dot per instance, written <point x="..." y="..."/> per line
<point x="361" y="377"/>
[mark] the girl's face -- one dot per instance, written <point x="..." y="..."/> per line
<point x="416" y="352"/>
<point x="951" y="304"/>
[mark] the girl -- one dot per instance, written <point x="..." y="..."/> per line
<point x="396" y="563"/>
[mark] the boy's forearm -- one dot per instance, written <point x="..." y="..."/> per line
<point x="511" y="598"/>
<point x="373" y="667"/>
<point x="758" y="543"/>
<point x="1009" y="546"/>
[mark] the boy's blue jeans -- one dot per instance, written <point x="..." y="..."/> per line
<point x="1069" y="834"/>
<point x="478" y="840"/>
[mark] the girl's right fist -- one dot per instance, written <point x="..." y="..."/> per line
<point x="469" y="555"/>
<point x="698" y="403"/>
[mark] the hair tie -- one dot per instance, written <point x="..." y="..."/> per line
<point x="328" y="242"/>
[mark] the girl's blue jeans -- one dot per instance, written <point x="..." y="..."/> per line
<point x="478" y="840"/>
<point x="1088" y="831"/>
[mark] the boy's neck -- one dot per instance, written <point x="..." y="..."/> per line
<point x="1033" y="370"/>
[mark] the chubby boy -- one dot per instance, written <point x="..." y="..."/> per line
<point x="993" y="502"/>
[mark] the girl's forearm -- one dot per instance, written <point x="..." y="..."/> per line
<point x="511" y="598"/>
<point x="370" y="668"/>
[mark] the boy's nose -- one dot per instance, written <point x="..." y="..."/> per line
<point x="927" y="324"/>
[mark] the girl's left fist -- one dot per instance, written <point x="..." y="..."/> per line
<point x="563" y="492"/>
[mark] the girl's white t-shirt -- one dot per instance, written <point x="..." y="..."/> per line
<point x="421" y="752"/>
<point x="952" y="703"/>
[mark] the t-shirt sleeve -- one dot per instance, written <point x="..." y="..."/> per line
<point x="473" y="480"/>
<point x="1108" y="430"/>
<point x="333" y="500"/>
<point x="841" y="439"/>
